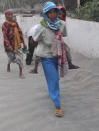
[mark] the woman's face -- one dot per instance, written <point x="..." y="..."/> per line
<point x="9" y="16"/>
<point x="52" y="14"/>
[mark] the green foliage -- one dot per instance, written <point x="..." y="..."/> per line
<point x="82" y="2"/>
<point x="90" y="11"/>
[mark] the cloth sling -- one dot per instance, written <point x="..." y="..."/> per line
<point x="58" y="49"/>
<point x="17" y="40"/>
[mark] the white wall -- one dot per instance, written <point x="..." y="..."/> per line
<point x="83" y="36"/>
<point x="27" y="22"/>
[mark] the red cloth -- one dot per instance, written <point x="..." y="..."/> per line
<point x="58" y="49"/>
<point x="60" y="8"/>
<point x="8" y="34"/>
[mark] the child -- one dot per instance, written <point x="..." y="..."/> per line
<point x="31" y="45"/>
<point x="62" y="16"/>
<point x="48" y="34"/>
<point x="13" y="38"/>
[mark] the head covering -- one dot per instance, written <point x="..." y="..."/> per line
<point x="47" y="7"/>
<point x="61" y="8"/>
<point x="8" y="11"/>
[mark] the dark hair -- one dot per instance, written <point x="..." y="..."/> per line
<point x="64" y="11"/>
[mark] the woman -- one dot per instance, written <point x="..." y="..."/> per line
<point x="49" y="35"/>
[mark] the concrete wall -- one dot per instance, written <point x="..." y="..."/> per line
<point x="83" y="36"/>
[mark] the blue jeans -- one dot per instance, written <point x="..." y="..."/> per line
<point x="50" y="67"/>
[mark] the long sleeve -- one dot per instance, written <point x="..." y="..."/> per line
<point x="63" y="28"/>
<point x="6" y="40"/>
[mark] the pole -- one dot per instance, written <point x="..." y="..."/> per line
<point x="78" y="3"/>
<point x="63" y="3"/>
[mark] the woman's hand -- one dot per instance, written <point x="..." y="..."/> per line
<point x="24" y="46"/>
<point x="9" y="48"/>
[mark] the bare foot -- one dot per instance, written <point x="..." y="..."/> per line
<point x="33" y="71"/>
<point x="8" y="68"/>
<point x="22" y="76"/>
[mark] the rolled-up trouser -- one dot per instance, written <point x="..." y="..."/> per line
<point x="68" y="54"/>
<point x="16" y="57"/>
<point x="50" y="67"/>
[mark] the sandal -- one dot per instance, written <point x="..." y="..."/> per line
<point x="22" y="77"/>
<point x="58" y="112"/>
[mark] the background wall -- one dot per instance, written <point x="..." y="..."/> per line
<point x="83" y="36"/>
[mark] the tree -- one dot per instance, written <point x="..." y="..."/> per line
<point x="82" y="2"/>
